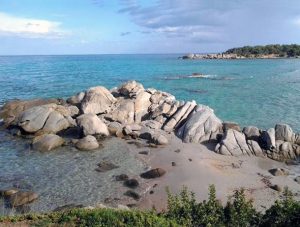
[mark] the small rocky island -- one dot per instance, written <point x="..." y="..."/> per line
<point x="132" y="112"/>
<point x="252" y="52"/>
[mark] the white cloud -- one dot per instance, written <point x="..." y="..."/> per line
<point x="29" y="28"/>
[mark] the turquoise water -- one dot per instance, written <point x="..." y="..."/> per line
<point x="250" y="92"/>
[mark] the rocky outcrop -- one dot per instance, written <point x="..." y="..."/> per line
<point x="47" y="142"/>
<point x="201" y="125"/>
<point x="97" y="100"/>
<point x="22" y="198"/>
<point x="92" y="125"/>
<point x="133" y="112"/>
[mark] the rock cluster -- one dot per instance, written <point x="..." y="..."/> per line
<point x="131" y="111"/>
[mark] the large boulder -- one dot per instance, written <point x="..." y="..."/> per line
<point x="12" y="110"/>
<point x="231" y="125"/>
<point x="123" y="112"/>
<point x="200" y="125"/>
<point x="76" y="99"/>
<point x="142" y="103"/>
<point x="47" y="142"/>
<point x="92" y="125"/>
<point x="130" y="89"/>
<point x="233" y="143"/>
<point x="284" y="132"/>
<point x="33" y="119"/>
<point x="56" y="122"/>
<point x="251" y="133"/>
<point x="97" y="100"/>
<point x="255" y="148"/>
<point x="268" y="139"/>
<point x="180" y="115"/>
<point x="87" y="143"/>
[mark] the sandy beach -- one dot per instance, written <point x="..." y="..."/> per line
<point x="197" y="167"/>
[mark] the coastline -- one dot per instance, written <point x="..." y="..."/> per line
<point x="154" y="120"/>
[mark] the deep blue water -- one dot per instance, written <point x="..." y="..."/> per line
<point x="250" y="92"/>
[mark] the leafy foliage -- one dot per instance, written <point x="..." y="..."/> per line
<point x="292" y="50"/>
<point x="183" y="210"/>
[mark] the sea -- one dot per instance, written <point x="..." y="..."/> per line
<point x="259" y="92"/>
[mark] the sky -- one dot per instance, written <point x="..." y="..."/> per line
<point x="144" y="26"/>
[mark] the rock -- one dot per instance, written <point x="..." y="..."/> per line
<point x="12" y="110"/>
<point x="56" y="122"/>
<point x="73" y="110"/>
<point x="231" y="125"/>
<point x="153" y="173"/>
<point x="284" y="132"/>
<point x="105" y="166"/>
<point x="87" y="143"/>
<point x="200" y="126"/>
<point x="130" y="89"/>
<point x="47" y="142"/>
<point x="297" y="139"/>
<point x="255" y="148"/>
<point x="131" y="183"/>
<point x="122" y="177"/>
<point x="180" y="115"/>
<point x="76" y="99"/>
<point x="97" y="100"/>
<point x="159" y="139"/>
<point x="132" y="194"/>
<point x="251" y="133"/>
<point x="177" y="150"/>
<point x="22" y="198"/>
<point x="68" y="207"/>
<point x="144" y="152"/>
<point x="276" y="187"/>
<point x="122" y="207"/>
<point x="286" y="149"/>
<point x="8" y="192"/>
<point x="142" y="103"/>
<point x="297" y="179"/>
<point x="123" y="113"/>
<point x="152" y="124"/>
<point x="233" y="143"/>
<point x="268" y="139"/>
<point x="33" y="119"/>
<point x="279" y="172"/>
<point x="92" y="125"/>
<point x="134" y="127"/>
<point x="173" y="163"/>
<point x="113" y="127"/>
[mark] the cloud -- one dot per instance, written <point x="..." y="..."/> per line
<point x="29" y="28"/>
<point x="125" y="33"/>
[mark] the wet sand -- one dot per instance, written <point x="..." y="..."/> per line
<point x="197" y="167"/>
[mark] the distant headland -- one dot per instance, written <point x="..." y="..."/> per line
<point x="252" y="52"/>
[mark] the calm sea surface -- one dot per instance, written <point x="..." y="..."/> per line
<point x="250" y="92"/>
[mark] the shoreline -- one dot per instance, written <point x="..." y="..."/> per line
<point x="211" y="151"/>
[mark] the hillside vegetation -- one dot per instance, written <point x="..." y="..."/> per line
<point x="292" y="50"/>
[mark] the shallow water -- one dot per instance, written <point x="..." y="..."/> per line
<point x="250" y="92"/>
<point x="64" y="176"/>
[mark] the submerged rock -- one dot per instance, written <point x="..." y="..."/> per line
<point x="131" y="183"/>
<point x="87" y="143"/>
<point x="132" y="194"/>
<point x="105" y="166"/>
<point x="22" y="198"/>
<point x="47" y="142"/>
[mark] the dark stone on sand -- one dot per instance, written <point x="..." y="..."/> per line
<point x="132" y="194"/>
<point x="297" y="179"/>
<point x="21" y="198"/>
<point x="173" y="163"/>
<point x="121" y="177"/>
<point x="177" y="150"/>
<point x="144" y="152"/>
<point x="151" y="192"/>
<point x="67" y="207"/>
<point x="131" y="183"/>
<point x="152" y="145"/>
<point x="235" y="165"/>
<point x="137" y="144"/>
<point x="153" y="173"/>
<point x="190" y="159"/>
<point x="106" y="166"/>
<point x="276" y="187"/>
<point x="279" y="172"/>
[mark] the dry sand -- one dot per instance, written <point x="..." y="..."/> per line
<point x="197" y="167"/>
